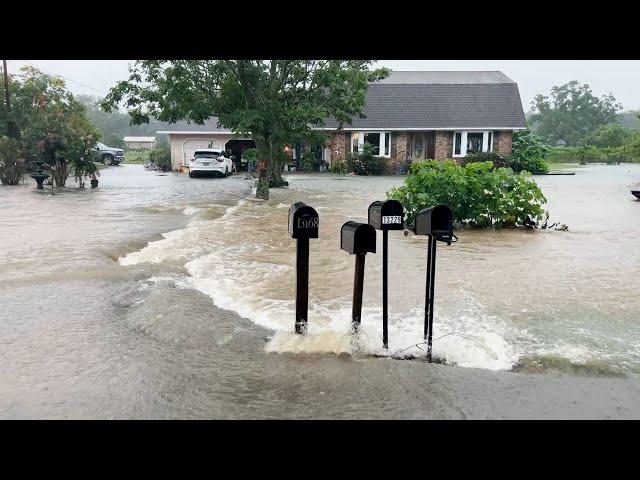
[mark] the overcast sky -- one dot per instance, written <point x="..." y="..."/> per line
<point x="621" y="78"/>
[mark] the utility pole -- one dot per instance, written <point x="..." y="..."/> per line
<point x="6" y="87"/>
<point x="12" y="128"/>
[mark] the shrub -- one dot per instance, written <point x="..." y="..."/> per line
<point x="478" y="194"/>
<point x="531" y="165"/>
<point x="339" y="167"/>
<point x="308" y="162"/>
<point x="161" y="157"/>
<point x="251" y="155"/>
<point x="498" y="160"/>
<point x="528" y="152"/>
<point x="366" y="163"/>
<point x="11" y="167"/>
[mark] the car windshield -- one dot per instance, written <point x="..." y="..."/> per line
<point x="206" y="154"/>
<point x="101" y="145"/>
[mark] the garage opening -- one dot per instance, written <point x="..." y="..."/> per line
<point x="236" y="149"/>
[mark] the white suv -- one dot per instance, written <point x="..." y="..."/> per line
<point x="209" y="162"/>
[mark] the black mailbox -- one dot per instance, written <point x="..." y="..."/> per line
<point x="303" y="221"/>
<point x="386" y="215"/>
<point x="358" y="238"/>
<point x="436" y="221"/>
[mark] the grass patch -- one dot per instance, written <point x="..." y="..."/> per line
<point x="136" y="156"/>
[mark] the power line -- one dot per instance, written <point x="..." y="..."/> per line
<point x="66" y="78"/>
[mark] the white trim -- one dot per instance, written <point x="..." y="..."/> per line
<point x="418" y="129"/>
<point x="186" y="132"/>
<point x="381" y="144"/>
<point x="463" y="142"/>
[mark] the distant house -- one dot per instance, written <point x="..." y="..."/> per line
<point x="139" y="143"/>
<point x="410" y="116"/>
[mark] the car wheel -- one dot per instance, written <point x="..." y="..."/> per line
<point x="108" y="160"/>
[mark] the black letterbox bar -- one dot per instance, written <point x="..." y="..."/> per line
<point x="437" y="223"/>
<point x="386" y="215"/>
<point x="303" y="225"/>
<point x="359" y="239"/>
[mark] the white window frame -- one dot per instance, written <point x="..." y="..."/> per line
<point x="486" y="145"/>
<point x="383" y="139"/>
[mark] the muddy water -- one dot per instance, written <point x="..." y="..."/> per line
<point x="168" y="297"/>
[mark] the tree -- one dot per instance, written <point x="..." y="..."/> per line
<point x="11" y="163"/>
<point x="53" y="123"/>
<point x="571" y="113"/>
<point x="277" y="102"/>
<point x="612" y="135"/>
<point x="115" y="125"/>
<point x="528" y="153"/>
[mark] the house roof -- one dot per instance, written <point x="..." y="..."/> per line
<point x="423" y="100"/>
<point x="441" y="100"/>
<point x="210" y="126"/>
<point x="140" y="139"/>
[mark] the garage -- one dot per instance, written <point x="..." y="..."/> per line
<point x="189" y="146"/>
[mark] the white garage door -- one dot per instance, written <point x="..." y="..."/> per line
<point x="193" y="144"/>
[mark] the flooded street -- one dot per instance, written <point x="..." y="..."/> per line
<point x="161" y="296"/>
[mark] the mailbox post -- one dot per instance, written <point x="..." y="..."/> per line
<point x="437" y="223"/>
<point x="359" y="239"/>
<point x="386" y="215"/>
<point x="303" y="225"/>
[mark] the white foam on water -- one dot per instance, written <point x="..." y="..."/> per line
<point x="252" y="275"/>
<point x="192" y="210"/>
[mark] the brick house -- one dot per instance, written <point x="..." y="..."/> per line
<point x="409" y="116"/>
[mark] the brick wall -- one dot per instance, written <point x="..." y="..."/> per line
<point x="399" y="148"/>
<point x="502" y="140"/>
<point x="444" y="145"/>
<point x="339" y="143"/>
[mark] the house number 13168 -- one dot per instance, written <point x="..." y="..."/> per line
<point x="308" y="222"/>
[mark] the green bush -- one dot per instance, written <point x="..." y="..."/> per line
<point x="497" y="160"/>
<point x="366" y="163"/>
<point x="528" y="152"/>
<point x="11" y="165"/>
<point x="308" y="162"/>
<point x="339" y="167"/>
<point x="161" y="157"/>
<point x="531" y="165"/>
<point x="478" y="194"/>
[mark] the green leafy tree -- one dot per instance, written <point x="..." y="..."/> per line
<point x="571" y="113"/>
<point x="11" y="161"/>
<point x="277" y="102"/>
<point x="115" y="125"/>
<point x="528" y="153"/>
<point x="52" y="121"/>
<point x="612" y="135"/>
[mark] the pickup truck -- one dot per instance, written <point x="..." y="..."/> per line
<point x="108" y="155"/>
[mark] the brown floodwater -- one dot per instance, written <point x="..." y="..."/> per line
<point x="160" y="296"/>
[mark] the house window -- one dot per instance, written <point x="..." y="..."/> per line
<point x="373" y="139"/>
<point x="465" y="143"/>
<point x="380" y="141"/>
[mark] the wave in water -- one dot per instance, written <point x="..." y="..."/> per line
<point x="253" y="275"/>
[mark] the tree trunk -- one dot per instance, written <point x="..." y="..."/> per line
<point x="274" y="171"/>
<point x="262" y="188"/>
<point x="60" y="174"/>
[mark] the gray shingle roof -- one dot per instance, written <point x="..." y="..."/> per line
<point x="425" y="100"/>
<point x="210" y="125"/>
